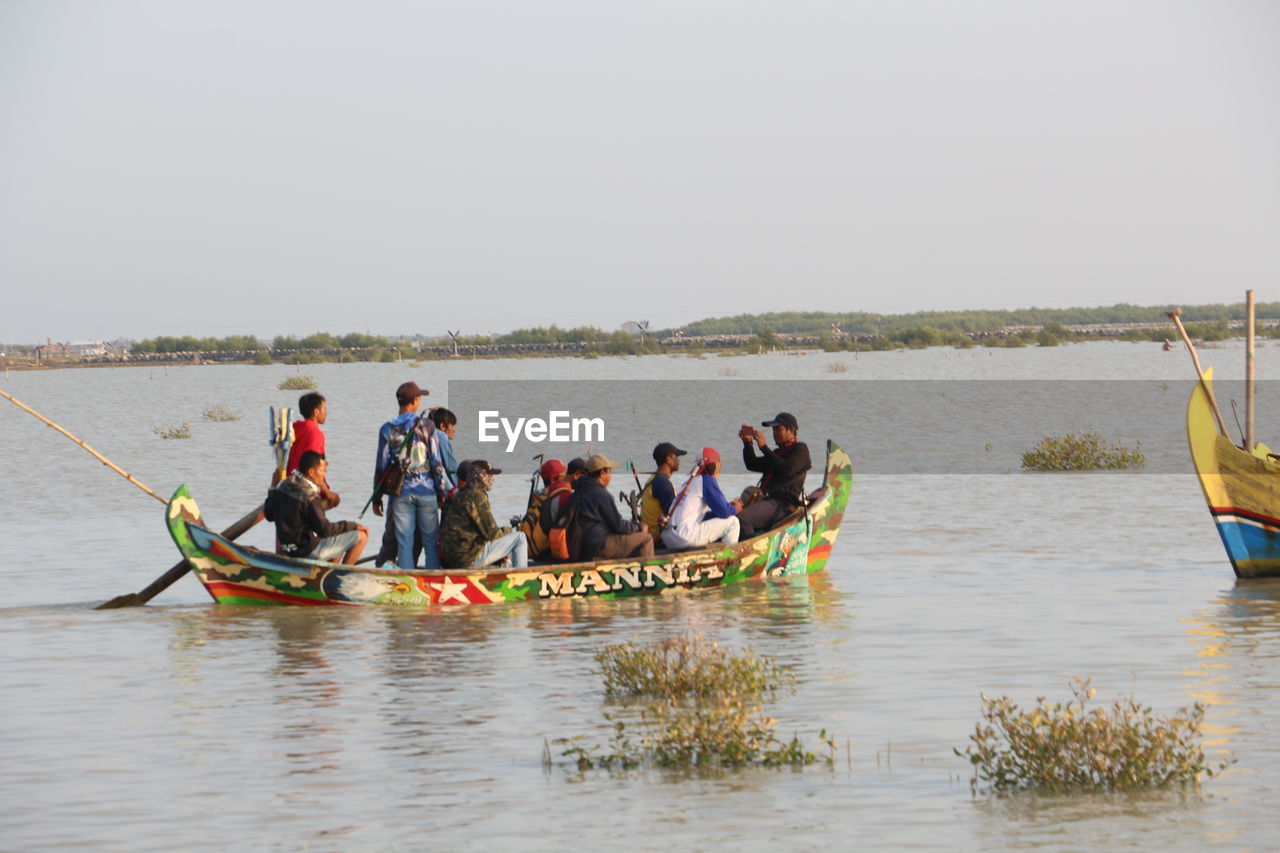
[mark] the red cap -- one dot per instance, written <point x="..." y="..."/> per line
<point x="551" y="469"/>
<point x="710" y="454"/>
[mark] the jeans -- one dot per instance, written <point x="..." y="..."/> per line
<point x="513" y="543"/>
<point x="417" y="513"/>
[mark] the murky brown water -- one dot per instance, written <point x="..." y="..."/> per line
<point x="187" y="725"/>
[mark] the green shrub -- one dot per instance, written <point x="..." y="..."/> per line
<point x="220" y="413"/>
<point x="1070" y="747"/>
<point x="262" y="357"/>
<point x="298" y="382"/>
<point x="707" y="712"/>
<point x="182" y="430"/>
<point x="1086" y="451"/>
<point x="837" y="367"/>
<point x="689" y="665"/>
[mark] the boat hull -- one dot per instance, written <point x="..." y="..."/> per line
<point x="234" y="574"/>
<point x="1241" y="489"/>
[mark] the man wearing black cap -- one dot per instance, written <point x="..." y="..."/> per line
<point x="658" y="494"/>
<point x="782" y="473"/>
<point x="469" y="535"/>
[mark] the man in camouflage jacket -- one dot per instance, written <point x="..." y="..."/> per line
<point x="469" y="536"/>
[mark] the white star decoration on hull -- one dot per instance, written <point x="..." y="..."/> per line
<point x="450" y="591"/>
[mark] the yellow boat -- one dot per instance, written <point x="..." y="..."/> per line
<point x="1241" y="488"/>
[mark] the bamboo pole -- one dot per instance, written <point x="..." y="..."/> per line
<point x="1248" y="372"/>
<point x="104" y="460"/>
<point x="1176" y="316"/>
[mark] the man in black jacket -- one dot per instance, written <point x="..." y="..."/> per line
<point x="597" y="529"/>
<point x="782" y="473"/>
<point x="301" y="526"/>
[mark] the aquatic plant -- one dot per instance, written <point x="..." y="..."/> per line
<point x="707" y="712"/>
<point x="730" y="371"/>
<point x="1071" y="747"/>
<point x="298" y="382"/>
<point x="688" y="665"/>
<point x="182" y="430"/>
<point x="837" y="367"/>
<point x="1086" y="451"/>
<point x="262" y="357"/>
<point x="220" y="413"/>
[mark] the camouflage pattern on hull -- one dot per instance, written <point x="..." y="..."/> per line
<point x="234" y="574"/>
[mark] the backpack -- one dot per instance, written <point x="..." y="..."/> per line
<point x="539" y="519"/>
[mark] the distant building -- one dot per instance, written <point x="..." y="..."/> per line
<point x="86" y="348"/>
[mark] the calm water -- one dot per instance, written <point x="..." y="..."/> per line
<point x="188" y="725"/>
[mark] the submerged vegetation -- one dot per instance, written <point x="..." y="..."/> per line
<point x="219" y="413"/>
<point x="704" y="710"/>
<point x="182" y="430"/>
<point x="1068" y="746"/>
<point x="298" y="382"/>
<point x="1085" y="451"/>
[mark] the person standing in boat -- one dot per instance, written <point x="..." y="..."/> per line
<point x="307" y="435"/>
<point x="469" y="535"/>
<point x="782" y="473"/>
<point x="598" y="528"/>
<point x="658" y="494"/>
<point x="701" y="515"/>
<point x="302" y="529"/>
<point x="410" y="438"/>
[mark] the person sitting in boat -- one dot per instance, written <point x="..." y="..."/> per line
<point x="701" y="515"/>
<point x="545" y="508"/>
<point x="302" y="529"/>
<point x="599" y="532"/>
<point x="575" y="470"/>
<point x="658" y="494"/>
<point x="751" y="495"/>
<point x="782" y="472"/>
<point x="469" y="535"/>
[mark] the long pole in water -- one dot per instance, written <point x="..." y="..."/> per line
<point x="1176" y="316"/>
<point x="1248" y="372"/>
<point x="135" y="599"/>
<point x="104" y="460"/>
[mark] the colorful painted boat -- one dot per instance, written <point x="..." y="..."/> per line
<point x="1242" y="489"/>
<point x="236" y="574"/>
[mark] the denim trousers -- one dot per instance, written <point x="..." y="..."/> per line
<point x="420" y="513"/>
<point x="513" y="543"/>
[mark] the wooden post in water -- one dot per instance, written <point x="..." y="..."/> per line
<point x="1248" y="372"/>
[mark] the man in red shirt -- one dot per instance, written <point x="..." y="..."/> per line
<point x="307" y="435"/>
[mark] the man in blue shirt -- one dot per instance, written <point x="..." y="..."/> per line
<point x="410" y="439"/>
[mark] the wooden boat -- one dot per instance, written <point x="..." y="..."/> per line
<point x="235" y="574"/>
<point x="1241" y="488"/>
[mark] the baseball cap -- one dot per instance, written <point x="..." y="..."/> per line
<point x="598" y="462"/>
<point x="665" y="449"/>
<point x="408" y="391"/>
<point x="576" y="466"/>
<point x="551" y="469"/>
<point x="709" y="454"/>
<point x="483" y="467"/>
<point x="785" y="419"/>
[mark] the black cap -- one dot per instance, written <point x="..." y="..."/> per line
<point x="662" y="451"/>
<point x="785" y="419"/>
<point x="576" y="466"/>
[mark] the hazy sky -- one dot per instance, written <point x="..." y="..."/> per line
<point x="208" y="168"/>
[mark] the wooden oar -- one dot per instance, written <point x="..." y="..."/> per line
<point x="1176" y="316"/>
<point x="166" y="580"/>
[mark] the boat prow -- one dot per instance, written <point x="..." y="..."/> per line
<point x="1242" y="489"/>
<point x="235" y="574"/>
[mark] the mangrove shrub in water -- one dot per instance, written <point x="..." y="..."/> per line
<point x="1071" y="747"/>
<point x="298" y="382"/>
<point x="707" y="712"/>
<point x="1086" y="451"/>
